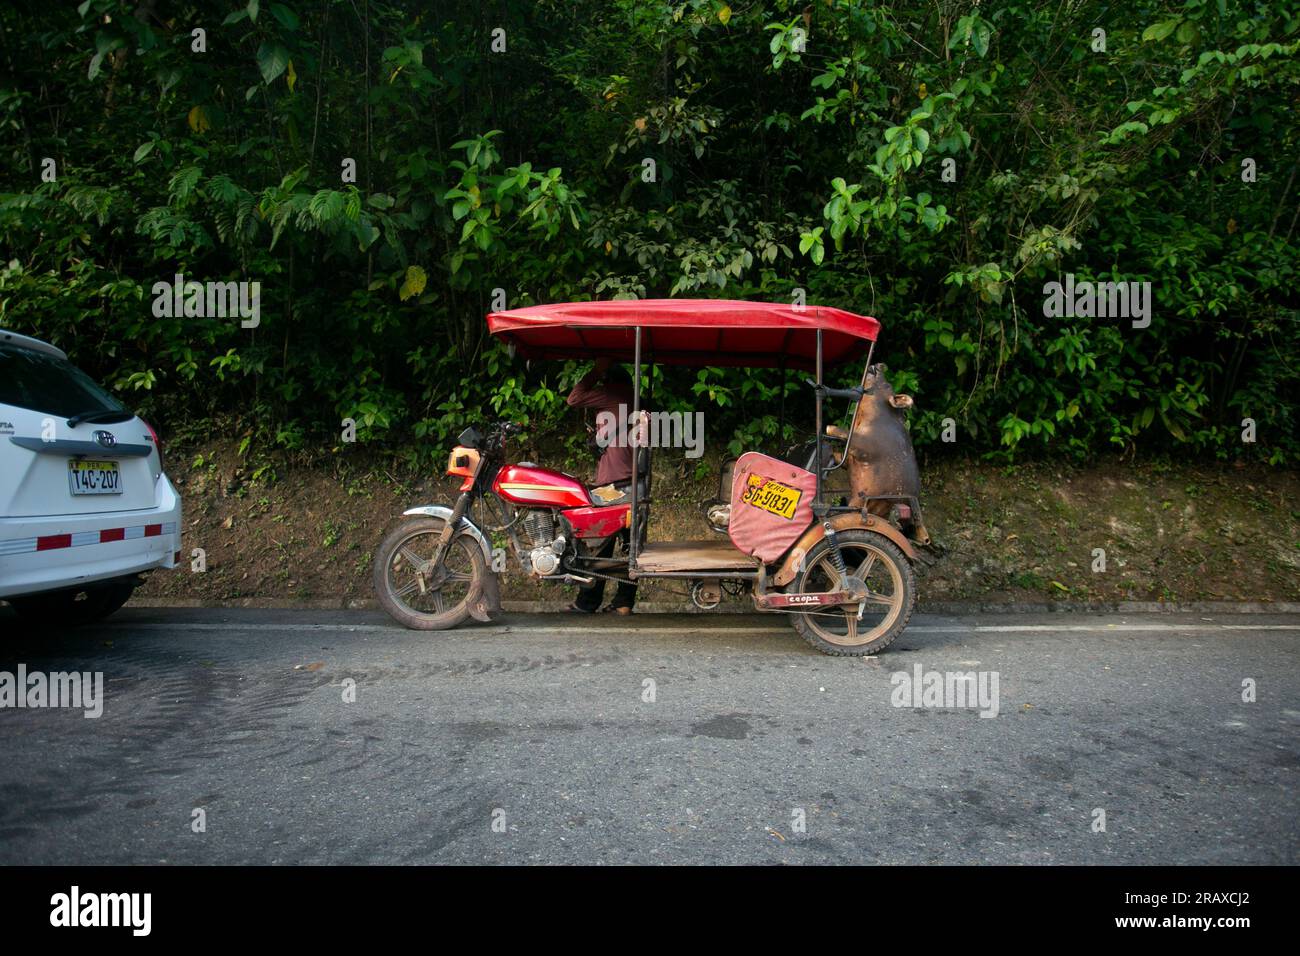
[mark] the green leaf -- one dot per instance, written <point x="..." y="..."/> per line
<point x="167" y="79"/>
<point x="106" y="43"/>
<point x="144" y="150"/>
<point x="272" y="59"/>
<point x="286" y="16"/>
<point x="1158" y="31"/>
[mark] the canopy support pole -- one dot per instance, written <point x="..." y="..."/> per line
<point x="818" y="508"/>
<point x="780" y="425"/>
<point x="633" y="432"/>
<point x="857" y="407"/>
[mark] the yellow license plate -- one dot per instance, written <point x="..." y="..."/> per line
<point x="771" y="496"/>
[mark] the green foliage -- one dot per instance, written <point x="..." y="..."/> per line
<point x="933" y="165"/>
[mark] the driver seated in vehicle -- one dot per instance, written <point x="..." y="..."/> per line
<point x="607" y="390"/>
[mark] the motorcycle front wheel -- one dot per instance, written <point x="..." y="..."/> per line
<point x="417" y="594"/>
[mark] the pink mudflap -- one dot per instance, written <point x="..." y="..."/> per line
<point x="771" y="505"/>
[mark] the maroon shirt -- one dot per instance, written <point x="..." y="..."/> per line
<point x="592" y="392"/>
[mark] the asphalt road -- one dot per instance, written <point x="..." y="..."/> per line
<point x="535" y="742"/>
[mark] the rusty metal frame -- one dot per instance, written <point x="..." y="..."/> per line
<point x="844" y="521"/>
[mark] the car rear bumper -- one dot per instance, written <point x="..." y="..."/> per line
<point x="52" y="552"/>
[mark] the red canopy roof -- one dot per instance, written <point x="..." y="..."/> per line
<point x="687" y="332"/>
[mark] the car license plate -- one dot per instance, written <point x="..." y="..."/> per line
<point x="772" y="496"/>
<point x="94" y="478"/>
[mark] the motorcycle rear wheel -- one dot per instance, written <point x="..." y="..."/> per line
<point x="891" y="584"/>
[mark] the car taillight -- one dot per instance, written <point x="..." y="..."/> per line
<point x="157" y="443"/>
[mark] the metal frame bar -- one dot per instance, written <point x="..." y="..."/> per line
<point x="649" y="449"/>
<point x="855" y="509"/>
<point x="818" y="508"/>
<point x="721" y="359"/>
<point x="722" y="574"/>
<point x="857" y="406"/>
<point x="633" y="525"/>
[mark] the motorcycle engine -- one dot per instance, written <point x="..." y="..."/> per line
<point x="546" y="546"/>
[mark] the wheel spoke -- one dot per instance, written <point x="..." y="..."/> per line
<point x="412" y="558"/>
<point x="830" y="573"/>
<point x="865" y="567"/>
<point x="408" y="589"/>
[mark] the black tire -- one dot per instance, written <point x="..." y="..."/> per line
<point x="73" y="608"/>
<point x="838" y="632"/>
<point x="443" y="602"/>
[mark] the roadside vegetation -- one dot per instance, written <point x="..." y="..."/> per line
<point x="383" y="168"/>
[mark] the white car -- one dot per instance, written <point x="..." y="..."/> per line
<point x="85" y="507"/>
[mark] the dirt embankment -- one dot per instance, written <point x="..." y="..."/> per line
<point x="1170" y="532"/>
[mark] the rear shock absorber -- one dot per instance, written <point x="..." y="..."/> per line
<point x="837" y="558"/>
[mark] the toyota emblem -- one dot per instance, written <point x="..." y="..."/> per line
<point x="105" y="438"/>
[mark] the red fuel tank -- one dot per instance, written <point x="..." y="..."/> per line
<point x="540" y="488"/>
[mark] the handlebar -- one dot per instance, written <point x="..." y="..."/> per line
<point x="495" y="437"/>
<point x="500" y="431"/>
<point x="854" y="393"/>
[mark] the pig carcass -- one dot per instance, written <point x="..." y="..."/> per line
<point x="881" y="460"/>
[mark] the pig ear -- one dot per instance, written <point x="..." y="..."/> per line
<point x="901" y="401"/>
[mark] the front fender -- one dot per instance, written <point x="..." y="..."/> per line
<point x="842" y="522"/>
<point x="466" y="526"/>
<point x="482" y="606"/>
